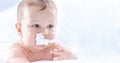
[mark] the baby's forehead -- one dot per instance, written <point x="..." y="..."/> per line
<point x="35" y="12"/>
<point x="36" y="15"/>
<point x="39" y="11"/>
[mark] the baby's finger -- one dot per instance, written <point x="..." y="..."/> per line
<point x="55" y="53"/>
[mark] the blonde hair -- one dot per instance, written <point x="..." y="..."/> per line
<point x="42" y="4"/>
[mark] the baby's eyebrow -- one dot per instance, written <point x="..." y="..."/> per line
<point x="34" y="21"/>
<point x="31" y="19"/>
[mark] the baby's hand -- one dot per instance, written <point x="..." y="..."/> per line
<point x="60" y="53"/>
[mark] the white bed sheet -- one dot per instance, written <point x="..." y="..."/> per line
<point x="67" y="61"/>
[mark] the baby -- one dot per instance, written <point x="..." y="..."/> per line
<point x="37" y="21"/>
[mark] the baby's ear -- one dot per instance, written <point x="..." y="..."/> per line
<point x="18" y="28"/>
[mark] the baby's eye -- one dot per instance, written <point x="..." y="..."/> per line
<point x="36" y="25"/>
<point x="50" y="26"/>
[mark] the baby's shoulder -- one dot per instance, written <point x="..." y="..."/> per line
<point x="16" y="46"/>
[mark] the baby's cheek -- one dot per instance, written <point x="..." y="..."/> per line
<point x="52" y="35"/>
<point x="30" y="38"/>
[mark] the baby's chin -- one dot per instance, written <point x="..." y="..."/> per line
<point x="39" y="43"/>
<point x="44" y="41"/>
<point x="44" y="46"/>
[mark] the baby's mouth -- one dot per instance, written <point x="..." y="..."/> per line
<point x="40" y="40"/>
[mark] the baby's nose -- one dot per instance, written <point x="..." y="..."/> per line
<point x="44" y="31"/>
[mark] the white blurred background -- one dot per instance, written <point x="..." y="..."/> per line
<point x="91" y="28"/>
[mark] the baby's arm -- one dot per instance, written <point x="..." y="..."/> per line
<point x="17" y="56"/>
<point x="61" y="53"/>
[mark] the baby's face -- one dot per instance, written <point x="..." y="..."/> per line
<point x="35" y="22"/>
